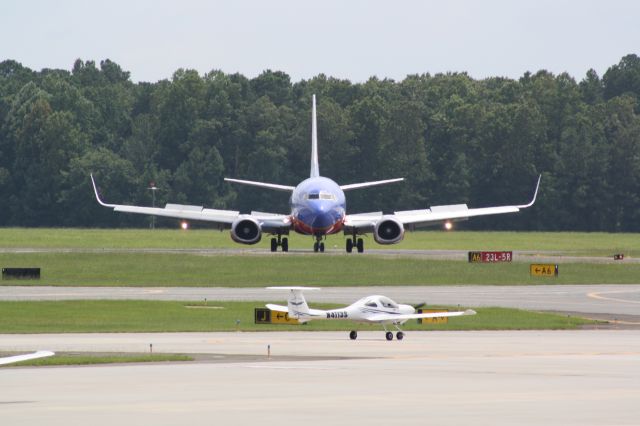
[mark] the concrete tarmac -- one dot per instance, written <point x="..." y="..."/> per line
<point x="609" y="299"/>
<point x="480" y="378"/>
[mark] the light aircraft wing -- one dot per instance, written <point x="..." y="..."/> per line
<point x="25" y="357"/>
<point x="392" y="317"/>
<point x="411" y="219"/>
<point x="223" y="218"/>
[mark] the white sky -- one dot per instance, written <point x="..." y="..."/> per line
<point x="350" y="39"/>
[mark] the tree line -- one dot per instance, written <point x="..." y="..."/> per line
<point x="454" y="138"/>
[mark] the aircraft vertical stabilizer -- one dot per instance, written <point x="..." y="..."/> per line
<point x="315" y="168"/>
<point x="297" y="304"/>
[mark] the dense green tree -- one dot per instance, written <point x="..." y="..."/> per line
<point x="455" y="140"/>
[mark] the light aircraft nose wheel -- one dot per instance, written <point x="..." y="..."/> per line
<point x="389" y="335"/>
<point x="399" y="335"/>
<point x="353" y="335"/>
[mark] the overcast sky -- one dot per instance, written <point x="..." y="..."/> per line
<point x="341" y="38"/>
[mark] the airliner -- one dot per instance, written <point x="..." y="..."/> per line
<point x="371" y="309"/>
<point x="318" y="208"/>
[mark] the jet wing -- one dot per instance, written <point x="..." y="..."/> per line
<point x="25" y="357"/>
<point x="224" y="218"/>
<point x="402" y="317"/>
<point x="411" y="219"/>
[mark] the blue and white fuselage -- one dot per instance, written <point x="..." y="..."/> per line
<point x="318" y="207"/>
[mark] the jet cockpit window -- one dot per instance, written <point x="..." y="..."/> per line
<point x="313" y="196"/>
<point x="327" y="196"/>
<point x="371" y="304"/>
<point x="388" y="303"/>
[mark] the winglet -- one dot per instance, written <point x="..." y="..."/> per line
<point x="95" y="189"/>
<point x="535" y="195"/>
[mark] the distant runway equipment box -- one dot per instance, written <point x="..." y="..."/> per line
<point x="543" y="270"/>
<point x="20" y="273"/>
<point x="490" y="256"/>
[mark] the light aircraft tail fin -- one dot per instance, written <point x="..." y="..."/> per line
<point x="296" y="304"/>
<point x="315" y="167"/>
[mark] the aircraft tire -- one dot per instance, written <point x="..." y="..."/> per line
<point x="360" y="245"/>
<point x="353" y="335"/>
<point x="389" y="335"/>
<point x="315" y="247"/>
<point x="285" y="244"/>
<point x="399" y="335"/>
<point x="321" y="247"/>
<point x="274" y="244"/>
<point x="349" y="245"/>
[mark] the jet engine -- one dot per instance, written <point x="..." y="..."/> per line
<point x="388" y="230"/>
<point x="246" y="230"/>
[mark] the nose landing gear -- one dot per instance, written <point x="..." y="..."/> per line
<point x="318" y="246"/>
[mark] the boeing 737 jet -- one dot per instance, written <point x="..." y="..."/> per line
<point x="318" y="208"/>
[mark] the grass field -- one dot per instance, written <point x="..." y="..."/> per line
<point x="154" y="316"/>
<point x="255" y="269"/>
<point x="581" y="244"/>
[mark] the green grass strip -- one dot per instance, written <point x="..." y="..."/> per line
<point x="93" y="316"/>
<point x="99" y="359"/>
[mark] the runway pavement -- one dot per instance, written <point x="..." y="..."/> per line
<point x="480" y="378"/>
<point x="612" y="300"/>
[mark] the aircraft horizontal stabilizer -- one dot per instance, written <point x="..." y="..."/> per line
<point x="277" y="308"/>
<point x="369" y="184"/>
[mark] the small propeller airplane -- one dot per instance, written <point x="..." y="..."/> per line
<point x="370" y="309"/>
<point x="25" y="357"/>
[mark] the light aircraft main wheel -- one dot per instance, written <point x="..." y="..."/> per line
<point x="349" y="245"/>
<point x="321" y="247"/>
<point x="353" y="335"/>
<point x="274" y="244"/>
<point x="360" y="245"/>
<point x="399" y="335"/>
<point x="389" y="335"/>
<point x="315" y="246"/>
<point x="285" y="244"/>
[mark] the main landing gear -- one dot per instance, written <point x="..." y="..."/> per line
<point x="353" y="335"/>
<point x="352" y="242"/>
<point x="389" y="335"/>
<point x="318" y="246"/>
<point x="282" y="242"/>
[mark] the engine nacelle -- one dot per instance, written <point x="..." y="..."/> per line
<point x="246" y="230"/>
<point x="388" y="230"/>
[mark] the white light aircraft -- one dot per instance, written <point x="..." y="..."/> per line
<point x="318" y="208"/>
<point x="25" y="357"/>
<point x="370" y="309"/>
